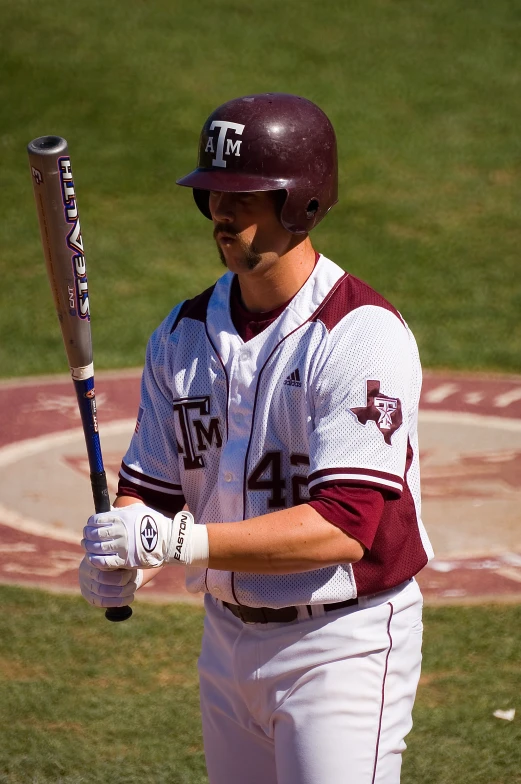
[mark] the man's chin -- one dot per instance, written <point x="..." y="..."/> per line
<point x="242" y="261"/>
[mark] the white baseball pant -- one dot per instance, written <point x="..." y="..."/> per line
<point x="323" y="700"/>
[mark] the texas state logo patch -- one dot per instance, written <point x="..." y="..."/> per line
<point x="385" y="411"/>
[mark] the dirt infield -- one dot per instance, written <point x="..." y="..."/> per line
<point x="470" y="438"/>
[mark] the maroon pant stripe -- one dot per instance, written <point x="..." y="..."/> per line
<point x="383" y="692"/>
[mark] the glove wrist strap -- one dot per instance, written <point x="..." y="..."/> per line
<point x="188" y="542"/>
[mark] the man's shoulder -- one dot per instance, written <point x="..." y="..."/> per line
<point x="195" y="308"/>
<point x="166" y="334"/>
<point x="348" y="295"/>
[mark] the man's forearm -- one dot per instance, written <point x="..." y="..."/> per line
<point x="292" y="540"/>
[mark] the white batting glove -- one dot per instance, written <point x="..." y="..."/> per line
<point x="108" y="589"/>
<point x="137" y="537"/>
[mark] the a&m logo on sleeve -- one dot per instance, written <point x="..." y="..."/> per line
<point x="385" y="411"/>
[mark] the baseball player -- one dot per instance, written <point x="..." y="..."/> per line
<point x="276" y="459"/>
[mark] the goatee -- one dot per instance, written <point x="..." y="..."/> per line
<point x="250" y="257"/>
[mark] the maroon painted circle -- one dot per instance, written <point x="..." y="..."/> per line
<point x="485" y="473"/>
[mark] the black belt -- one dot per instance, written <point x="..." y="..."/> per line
<point x="282" y="615"/>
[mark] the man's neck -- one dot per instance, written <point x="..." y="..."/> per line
<point x="276" y="281"/>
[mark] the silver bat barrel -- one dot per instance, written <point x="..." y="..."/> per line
<point x="62" y="243"/>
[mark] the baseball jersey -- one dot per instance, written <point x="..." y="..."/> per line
<point x="326" y="395"/>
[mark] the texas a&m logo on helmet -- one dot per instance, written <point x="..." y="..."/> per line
<point x="216" y="144"/>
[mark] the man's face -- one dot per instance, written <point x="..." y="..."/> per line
<point x="247" y="229"/>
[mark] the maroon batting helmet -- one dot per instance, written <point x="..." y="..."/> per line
<point x="269" y="142"/>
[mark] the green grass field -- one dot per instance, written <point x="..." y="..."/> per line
<point x="425" y="100"/>
<point x="83" y="701"/>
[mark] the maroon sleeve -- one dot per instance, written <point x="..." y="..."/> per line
<point x="168" y="505"/>
<point x="356" y="510"/>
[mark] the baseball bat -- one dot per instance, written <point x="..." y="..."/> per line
<point x="62" y="241"/>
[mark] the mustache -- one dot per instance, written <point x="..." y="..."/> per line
<point x="225" y="228"/>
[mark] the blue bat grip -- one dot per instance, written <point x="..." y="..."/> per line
<point x="89" y="418"/>
<point x="98" y="480"/>
<point x="87" y="405"/>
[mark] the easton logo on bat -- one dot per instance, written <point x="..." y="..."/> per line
<point x="37" y="175"/>
<point x="94" y="412"/>
<point x="74" y="239"/>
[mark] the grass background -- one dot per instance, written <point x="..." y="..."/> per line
<point x="85" y="701"/>
<point x="425" y="100"/>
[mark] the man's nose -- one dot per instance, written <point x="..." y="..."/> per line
<point x="221" y="207"/>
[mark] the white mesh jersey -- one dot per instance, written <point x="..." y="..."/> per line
<point x="327" y="394"/>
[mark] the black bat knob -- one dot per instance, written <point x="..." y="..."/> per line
<point x="116" y="614"/>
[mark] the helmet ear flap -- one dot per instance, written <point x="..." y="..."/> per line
<point x="202" y="199"/>
<point x="300" y="213"/>
<point x="312" y="208"/>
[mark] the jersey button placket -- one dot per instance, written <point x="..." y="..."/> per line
<point x="241" y="395"/>
<point x="240" y="407"/>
